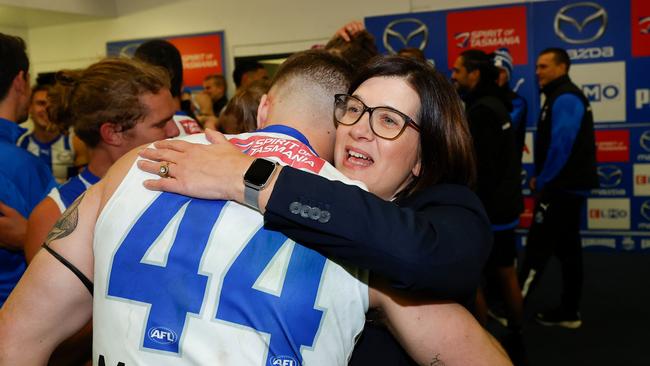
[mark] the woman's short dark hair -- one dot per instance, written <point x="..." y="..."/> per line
<point x="446" y="152"/>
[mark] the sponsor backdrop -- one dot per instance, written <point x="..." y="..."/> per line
<point x="202" y="54"/>
<point x="609" y="45"/>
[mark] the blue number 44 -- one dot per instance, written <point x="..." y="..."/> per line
<point x="176" y="289"/>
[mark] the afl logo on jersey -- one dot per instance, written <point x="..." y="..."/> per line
<point x="283" y="361"/>
<point x="162" y="335"/>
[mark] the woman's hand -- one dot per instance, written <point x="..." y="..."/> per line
<point x="214" y="171"/>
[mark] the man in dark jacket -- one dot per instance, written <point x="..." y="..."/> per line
<point x="498" y="169"/>
<point x="565" y="169"/>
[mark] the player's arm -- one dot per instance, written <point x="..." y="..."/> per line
<point x="41" y="220"/>
<point x="50" y="303"/>
<point x="13" y="228"/>
<point x="437" y="333"/>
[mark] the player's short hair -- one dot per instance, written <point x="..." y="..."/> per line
<point x="311" y="79"/>
<point x="164" y="54"/>
<point x="412" y="52"/>
<point x="244" y="67"/>
<point x="107" y="91"/>
<point x="560" y="56"/>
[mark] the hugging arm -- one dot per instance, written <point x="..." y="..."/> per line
<point x="436" y="333"/>
<point x="435" y="241"/>
<point x="49" y="304"/>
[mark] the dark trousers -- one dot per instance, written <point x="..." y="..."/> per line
<point x="555" y="231"/>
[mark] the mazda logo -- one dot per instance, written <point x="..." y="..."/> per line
<point x="644" y="140"/>
<point x="399" y="29"/>
<point x="645" y="210"/>
<point x="563" y="17"/>
<point x="610" y="176"/>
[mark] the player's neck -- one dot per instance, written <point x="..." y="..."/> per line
<point x="100" y="160"/>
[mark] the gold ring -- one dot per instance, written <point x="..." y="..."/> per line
<point x="163" y="171"/>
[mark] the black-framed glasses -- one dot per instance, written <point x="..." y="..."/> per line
<point x="385" y="122"/>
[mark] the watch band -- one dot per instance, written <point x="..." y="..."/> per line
<point x="251" y="197"/>
<point x="256" y="179"/>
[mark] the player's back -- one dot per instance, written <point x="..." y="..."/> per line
<point x="182" y="281"/>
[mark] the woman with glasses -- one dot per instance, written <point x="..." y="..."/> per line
<point x="401" y="132"/>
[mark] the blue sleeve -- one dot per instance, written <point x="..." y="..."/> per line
<point x="11" y="196"/>
<point x="567" y="113"/>
<point x="518" y="114"/>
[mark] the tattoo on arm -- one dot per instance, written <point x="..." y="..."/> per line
<point x="67" y="223"/>
<point x="436" y="361"/>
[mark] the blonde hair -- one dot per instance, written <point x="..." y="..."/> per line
<point x="107" y="91"/>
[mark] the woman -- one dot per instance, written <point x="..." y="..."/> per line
<point x="420" y="227"/>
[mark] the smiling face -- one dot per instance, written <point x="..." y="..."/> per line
<point x="385" y="166"/>
<point x="38" y="109"/>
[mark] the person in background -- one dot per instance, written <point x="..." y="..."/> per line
<point x="246" y="72"/>
<point x="24" y="178"/>
<point x="503" y="61"/>
<point x="565" y="171"/>
<point x="499" y="169"/>
<point x="46" y="141"/>
<point x="164" y="54"/>
<point x="240" y="114"/>
<point x="357" y="47"/>
<point x="412" y="52"/>
<point x="215" y="86"/>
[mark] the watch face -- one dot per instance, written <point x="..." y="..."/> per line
<point x="259" y="172"/>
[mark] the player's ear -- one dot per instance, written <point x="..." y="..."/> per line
<point x="111" y="134"/>
<point x="263" y="111"/>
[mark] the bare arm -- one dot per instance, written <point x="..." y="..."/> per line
<point x="40" y="222"/>
<point x="438" y="333"/>
<point x="50" y="303"/>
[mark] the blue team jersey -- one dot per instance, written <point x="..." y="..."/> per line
<point x="185" y="281"/>
<point x="24" y="182"/>
<point x="73" y="188"/>
<point x="57" y="154"/>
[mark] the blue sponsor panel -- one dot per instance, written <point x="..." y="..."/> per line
<point x="425" y="31"/>
<point x="589" y="30"/>
<point x="615" y="180"/>
<point x="638" y="81"/>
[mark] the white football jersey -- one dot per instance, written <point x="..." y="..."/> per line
<point x="58" y="154"/>
<point x="184" y="281"/>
